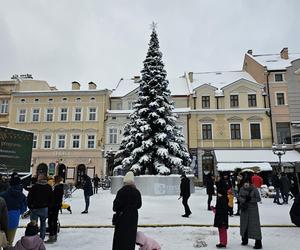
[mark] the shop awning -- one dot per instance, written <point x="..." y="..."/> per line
<point x="231" y="166"/>
<point x="254" y="155"/>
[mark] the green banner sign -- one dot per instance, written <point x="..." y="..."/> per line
<point x="15" y="149"/>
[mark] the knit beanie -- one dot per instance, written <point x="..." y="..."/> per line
<point x="129" y="178"/>
<point x="31" y="229"/>
<point x="14" y="181"/>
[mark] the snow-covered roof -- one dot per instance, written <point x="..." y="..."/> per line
<point x="255" y="155"/>
<point x="263" y="166"/>
<point x="177" y="86"/>
<point x="219" y="79"/>
<point x="128" y="111"/>
<point x="274" y="61"/>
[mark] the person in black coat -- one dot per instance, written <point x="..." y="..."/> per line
<point x="39" y="199"/>
<point x="58" y="193"/>
<point x="88" y="192"/>
<point x="221" y="212"/>
<point x="185" y="194"/>
<point x="210" y="189"/>
<point x="276" y="185"/>
<point x="126" y="204"/>
<point x="96" y="181"/>
<point x="295" y="211"/>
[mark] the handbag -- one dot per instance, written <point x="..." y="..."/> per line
<point x="3" y="239"/>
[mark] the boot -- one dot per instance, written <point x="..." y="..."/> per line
<point x="244" y="241"/>
<point x="50" y="240"/>
<point x="258" y="244"/>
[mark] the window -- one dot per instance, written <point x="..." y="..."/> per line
<point x="47" y="141"/>
<point x="61" y="141"/>
<point x="235" y="131"/>
<point x="206" y="132"/>
<point x="92" y="114"/>
<point x="4" y="106"/>
<point x="23" y="100"/>
<point x="50" y="100"/>
<point x="283" y="132"/>
<point x="252" y="100"/>
<point x="113" y="133"/>
<point x="278" y="77"/>
<point x="78" y="99"/>
<point x="130" y="105"/>
<point x="34" y="142"/>
<point x="119" y="106"/>
<point x="77" y="115"/>
<point x="65" y="99"/>
<point x="280" y="98"/>
<point x="36" y="100"/>
<point x="205" y="102"/>
<point x="49" y="114"/>
<point x="22" y="115"/>
<point x="35" y="115"/>
<point x="76" y="141"/>
<point x="255" y="131"/>
<point x="64" y="114"/>
<point x="92" y="99"/>
<point x="234" y="101"/>
<point x="90" y="141"/>
<point x="113" y="117"/>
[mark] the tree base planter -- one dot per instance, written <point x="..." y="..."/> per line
<point x="153" y="185"/>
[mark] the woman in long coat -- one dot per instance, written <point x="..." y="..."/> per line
<point x="126" y="204"/>
<point x="249" y="220"/>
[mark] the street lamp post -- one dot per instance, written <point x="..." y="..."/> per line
<point x="279" y="150"/>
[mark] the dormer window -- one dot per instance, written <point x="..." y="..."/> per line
<point x="23" y="100"/>
<point x="78" y="99"/>
<point x="92" y="99"/>
<point x="36" y="100"/>
<point x="65" y="99"/>
<point x="278" y="77"/>
<point x="50" y="100"/>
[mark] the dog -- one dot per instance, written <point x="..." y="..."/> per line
<point x="65" y="206"/>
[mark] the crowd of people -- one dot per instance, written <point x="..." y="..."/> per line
<point x="246" y="188"/>
<point x="45" y="199"/>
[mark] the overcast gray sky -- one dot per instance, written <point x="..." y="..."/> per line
<point x="93" y="40"/>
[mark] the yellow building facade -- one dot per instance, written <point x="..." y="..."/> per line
<point x="68" y="128"/>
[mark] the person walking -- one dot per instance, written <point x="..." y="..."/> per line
<point x="96" y="181"/>
<point x="39" y="199"/>
<point x="31" y="240"/>
<point x="185" y="194"/>
<point x="276" y="185"/>
<point x="88" y="192"/>
<point x="221" y="212"/>
<point x="284" y="187"/>
<point x="126" y="204"/>
<point x="249" y="219"/>
<point x="210" y="189"/>
<point x="16" y="205"/>
<point x="58" y="192"/>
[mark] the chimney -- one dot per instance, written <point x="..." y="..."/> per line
<point x="136" y="79"/>
<point x="249" y="51"/>
<point x="284" y="53"/>
<point x="75" y="85"/>
<point x="92" y="85"/>
<point x="191" y="76"/>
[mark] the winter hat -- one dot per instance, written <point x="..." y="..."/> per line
<point x="15" y="181"/>
<point x="31" y="229"/>
<point x="128" y="178"/>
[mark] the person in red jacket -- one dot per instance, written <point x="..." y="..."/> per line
<point x="257" y="181"/>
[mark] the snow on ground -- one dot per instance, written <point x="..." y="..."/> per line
<point x="167" y="210"/>
<point x="163" y="210"/>
<point x="179" y="238"/>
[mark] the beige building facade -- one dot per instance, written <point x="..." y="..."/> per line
<point x="68" y="127"/>
<point x="271" y="70"/>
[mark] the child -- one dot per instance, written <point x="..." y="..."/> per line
<point x="145" y="242"/>
<point x="230" y="201"/>
<point x="221" y="213"/>
<point x="31" y="240"/>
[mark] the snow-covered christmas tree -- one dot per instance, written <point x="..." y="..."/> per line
<point x="152" y="142"/>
